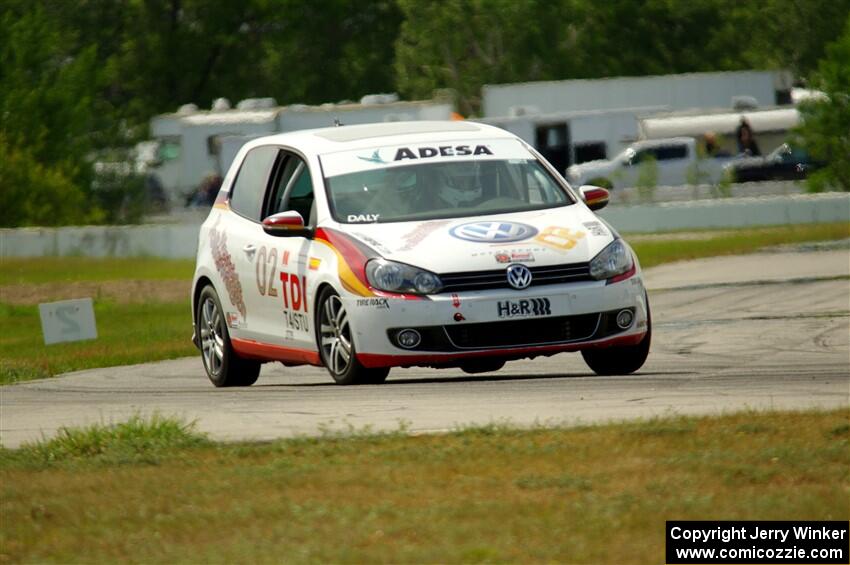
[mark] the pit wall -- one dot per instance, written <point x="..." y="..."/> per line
<point x="179" y="241"/>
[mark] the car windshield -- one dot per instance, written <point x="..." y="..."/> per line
<point x="454" y="182"/>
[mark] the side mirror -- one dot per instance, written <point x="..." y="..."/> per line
<point x="284" y="224"/>
<point x="595" y="197"/>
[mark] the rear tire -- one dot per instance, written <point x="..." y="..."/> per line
<point x="621" y="360"/>
<point x="223" y="366"/>
<point x="336" y="343"/>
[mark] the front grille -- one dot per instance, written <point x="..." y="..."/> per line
<point x="497" y="278"/>
<point x="537" y="331"/>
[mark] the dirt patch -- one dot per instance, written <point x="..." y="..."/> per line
<point x="122" y="292"/>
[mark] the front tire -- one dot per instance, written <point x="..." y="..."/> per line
<point x="223" y="366"/>
<point x="336" y="343"/>
<point x="622" y="360"/>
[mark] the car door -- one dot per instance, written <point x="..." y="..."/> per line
<point x="239" y="237"/>
<point x="283" y="263"/>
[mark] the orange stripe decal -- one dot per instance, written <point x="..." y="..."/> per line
<point x="271" y="352"/>
<point x="346" y="276"/>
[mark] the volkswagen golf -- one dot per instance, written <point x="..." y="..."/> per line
<point x="440" y="244"/>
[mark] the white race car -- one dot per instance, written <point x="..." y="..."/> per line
<point x="442" y="244"/>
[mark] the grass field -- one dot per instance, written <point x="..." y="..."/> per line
<point x="69" y="269"/>
<point x="665" y="248"/>
<point x="157" y="492"/>
<point x="127" y="334"/>
<point x="142" y="311"/>
<point x="141" y="308"/>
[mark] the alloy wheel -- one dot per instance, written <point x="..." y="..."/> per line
<point x="212" y="340"/>
<point x="336" y="335"/>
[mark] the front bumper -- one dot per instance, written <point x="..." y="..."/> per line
<point x="497" y="323"/>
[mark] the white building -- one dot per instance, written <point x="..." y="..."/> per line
<point x="675" y="92"/>
<point x="574" y="121"/>
<point x="192" y="143"/>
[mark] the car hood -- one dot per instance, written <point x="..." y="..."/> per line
<point x="569" y="234"/>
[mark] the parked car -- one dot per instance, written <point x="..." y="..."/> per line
<point x="783" y="163"/>
<point x="673" y="162"/>
<point x="444" y="244"/>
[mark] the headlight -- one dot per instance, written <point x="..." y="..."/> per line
<point x="398" y="277"/>
<point x="612" y="261"/>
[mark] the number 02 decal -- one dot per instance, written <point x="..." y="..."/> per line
<point x="266" y="266"/>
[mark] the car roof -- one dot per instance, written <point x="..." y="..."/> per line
<point x="346" y="138"/>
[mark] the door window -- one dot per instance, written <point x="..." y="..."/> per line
<point x="293" y="188"/>
<point x="669" y="152"/>
<point x="660" y="153"/>
<point x="590" y="151"/>
<point x="246" y="195"/>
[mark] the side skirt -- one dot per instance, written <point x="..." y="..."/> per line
<point x="269" y="352"/>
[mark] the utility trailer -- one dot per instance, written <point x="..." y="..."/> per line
<point x="192" y="144"/>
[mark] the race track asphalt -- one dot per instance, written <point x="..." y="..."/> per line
<point x="763" y="331"/>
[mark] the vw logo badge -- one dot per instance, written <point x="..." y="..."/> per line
<point x="493" y="232"/>
<point x="519" y="276"/>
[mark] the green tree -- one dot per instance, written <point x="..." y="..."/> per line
<point x="649" y="37"/>
<point x="826" y="124"/>
<point x="33" y="194"/>
<point x="47" y="94"/>
<point x="777" y="34"/>
<point x="174" y="52"/>
<point x="47" y="116"/>
<point x="464" y="44"/>
<point x="315" y="52"/>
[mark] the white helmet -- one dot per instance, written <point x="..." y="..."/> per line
<point x="460" y="183"/>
